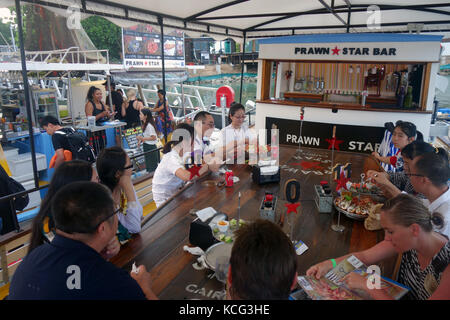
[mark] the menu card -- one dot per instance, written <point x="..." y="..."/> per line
<point x="331" y="287"/>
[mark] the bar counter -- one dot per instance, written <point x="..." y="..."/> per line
<point x="340" y="106"/>
<point x="159" y="246"/>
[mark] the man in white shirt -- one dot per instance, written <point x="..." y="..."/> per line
<point x="204" y="127"/>
<point x="203" y="151"/>
<point x="429" y="175"/>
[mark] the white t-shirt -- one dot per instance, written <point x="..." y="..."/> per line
<point x="165" y="183"/>
<point x="201" y="148"/>
<point x="131" y="220"/>
<point x="441" y="205"/>
<point x="229" y="134"/>
<point x="150" y="131"/>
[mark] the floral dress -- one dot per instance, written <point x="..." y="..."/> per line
<point x="160" y="123"/>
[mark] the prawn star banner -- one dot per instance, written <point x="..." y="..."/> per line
<point x="142" y="47"/>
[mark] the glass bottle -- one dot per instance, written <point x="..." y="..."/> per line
<point x="408" y="98"/>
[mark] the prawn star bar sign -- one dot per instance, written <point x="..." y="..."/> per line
<point x="352" y="51"/>
<point x="354" y="47"/>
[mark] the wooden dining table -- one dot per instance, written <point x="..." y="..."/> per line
<point x="159" y="246"/>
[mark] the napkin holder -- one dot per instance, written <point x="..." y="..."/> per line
<point x="265" y="172"/>
<point x="201" y="233"/>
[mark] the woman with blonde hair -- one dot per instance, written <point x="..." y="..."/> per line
<point x="424" y="267"/>
<point x="131" y="108"/>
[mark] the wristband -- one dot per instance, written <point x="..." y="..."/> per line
<point x="333" y="262"/>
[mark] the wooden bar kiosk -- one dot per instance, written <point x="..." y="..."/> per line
<point x="356" y="82"/>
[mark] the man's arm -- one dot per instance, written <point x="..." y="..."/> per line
<point x="59" y="157"/>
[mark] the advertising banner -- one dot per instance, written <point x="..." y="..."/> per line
<point x="142" y="47"/>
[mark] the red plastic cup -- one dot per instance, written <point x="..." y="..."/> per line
<point x="229" y="178"/>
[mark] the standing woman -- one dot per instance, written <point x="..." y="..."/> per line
<point x="114" y="170"/>
<point x="130" y="109"/>
<point x="404" y="133"/>
<point x="163" y="122"/>
<point x="95" y="107"/>
<point x="150" y="139"/>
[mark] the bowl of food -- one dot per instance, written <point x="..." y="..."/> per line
<point x="223" y="226"/>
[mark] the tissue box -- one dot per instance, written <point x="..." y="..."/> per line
<point x="268" y="174"/>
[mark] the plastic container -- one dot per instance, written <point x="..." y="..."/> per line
<point x="324" y="202"/>
<point x="10" y="152"/>
<point x="91" y="121"/>
<point x="21" y="164"/>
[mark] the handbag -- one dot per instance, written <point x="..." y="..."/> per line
<point x="201" y="234"/>
<point x="15" y="187"/>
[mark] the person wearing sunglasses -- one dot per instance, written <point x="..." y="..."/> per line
<point x="71" y="267"/>
<point x="114" y="169"/>
<point x="392" y="183"/>
<point x="429" y="174"/>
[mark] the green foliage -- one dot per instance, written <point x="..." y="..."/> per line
<point x="105" y="35"/>
<point x="6" y="33"/>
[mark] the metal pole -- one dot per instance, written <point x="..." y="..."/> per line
<point x="242" y="68"/>
<point x="27" y="93"/>
<point x="69" y="97"/>
<point x="182" y="100"/>
<point x="160" y="20"/>
<point x="108" y="79"/>
<point x="12" y="37"/>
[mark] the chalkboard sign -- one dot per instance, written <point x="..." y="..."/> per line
<point x="130" y="136"/>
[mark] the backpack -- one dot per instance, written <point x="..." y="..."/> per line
<point x="79" y="145"/>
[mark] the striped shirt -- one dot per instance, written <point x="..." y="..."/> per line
<point x="423" y="283"/>
<point x="403" y="183"/>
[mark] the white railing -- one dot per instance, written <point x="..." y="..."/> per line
<point x="69" y="55"/>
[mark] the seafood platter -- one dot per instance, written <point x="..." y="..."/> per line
<point x="355" y="206"/>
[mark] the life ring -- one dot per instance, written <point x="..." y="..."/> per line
<point x="67" y="157"/>
<point x="228" y="92"/>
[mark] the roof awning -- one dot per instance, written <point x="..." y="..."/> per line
<point x="148" y="77"/>
<point x="265" y="18"/>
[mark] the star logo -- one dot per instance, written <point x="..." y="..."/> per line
<point x="341" y="182"/>
<point x="194" y="171"/>
<point x="292" y="207"/>
<point x="335" y="50"/>
<point x="306" y="165"/>
<point x="333" y="143"/>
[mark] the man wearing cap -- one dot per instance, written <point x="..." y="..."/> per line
<point x="117" y="101"/>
